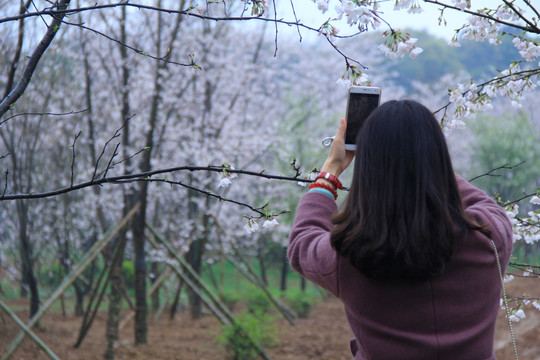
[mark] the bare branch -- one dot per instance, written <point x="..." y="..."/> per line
<point x="109" y="165"/>
<point x="187" y="13"/>
<point x="8" y="101"/>
<point x="532" y="8"/>
<point x="6" y="184"/>
<point x="502" y="167"/>
<point x="146" y="176"/>
<point x="116" y="134"/>
<point x="43" y="114"/>
<point x="18" y="49"/>
<point x="138" y="51"/>
<point x="534" y="29"/>
<point x="526" y="196"/>
<point x="73" y="156"/>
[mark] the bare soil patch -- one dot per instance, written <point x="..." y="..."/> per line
<point x="325" y="335"/>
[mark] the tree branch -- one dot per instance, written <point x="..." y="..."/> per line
<point x="490" y="172"/>
<point x="8" y="101"/>
<point x="146" y="176"/>
<point x="485" y="16"/>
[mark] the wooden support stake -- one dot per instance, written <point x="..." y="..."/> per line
<point x="250" y="274"/>
<point x="223" y="314"/>
<point x="70" y="278"/>
<point x="152" y="289"/>
<point x="27" y="331"/>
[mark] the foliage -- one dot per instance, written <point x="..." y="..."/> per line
<point x="258" y="302"/>
<point x="229" y="298"/>
<point x="260" y="329"/>
<point x="495" y="146"/>
<point x="128" y="271"/>
<point x="301" y="302"/>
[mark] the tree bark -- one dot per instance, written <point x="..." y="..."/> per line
<point x="116" y="280"/>
<point x="194" y="258"/>
<point x="284" y="270"/>
<point x="155" y="295"/>
<point x="115" y="304"/>
<point x="27" y="259"/>
<point x="260" y="255"/>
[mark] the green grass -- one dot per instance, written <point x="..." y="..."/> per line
<point x="233" y="283"/>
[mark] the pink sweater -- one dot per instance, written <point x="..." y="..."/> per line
<point x="449" y="317"/>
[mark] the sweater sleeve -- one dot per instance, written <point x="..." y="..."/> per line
<point x="310" y="252"/>
<point x="484" y="210"/>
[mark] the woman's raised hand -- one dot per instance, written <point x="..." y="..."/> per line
<point x="338" y="159"/>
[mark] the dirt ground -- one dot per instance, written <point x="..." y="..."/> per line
<point x="325" y="335"/>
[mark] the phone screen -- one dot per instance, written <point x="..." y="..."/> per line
<point x="359" y="108"/>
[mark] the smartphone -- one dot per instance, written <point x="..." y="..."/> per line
<point x="361" y="101"/>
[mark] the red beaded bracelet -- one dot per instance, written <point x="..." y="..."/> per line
<point x="331" y="178"/>
<point x="324" y="186"/>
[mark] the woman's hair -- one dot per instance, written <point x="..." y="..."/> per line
<point x="404" y="209"/>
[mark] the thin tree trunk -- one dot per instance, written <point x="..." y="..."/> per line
<point x="27" y="259"/>
<point x="115" y="304"/>
<point x="260" y="255"/>
<point x="284" y="270"/>
<point x="116" y="281"/>
<point x="194" y="258"/>
<point x="174" y="305"/>
<point x="155" y="295"/>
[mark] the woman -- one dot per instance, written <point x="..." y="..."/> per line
<point x="410" y="254"/>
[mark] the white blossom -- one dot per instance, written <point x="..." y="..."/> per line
<point x="251" y="226"/>
<point x="224" y="182"/>
<point x="322" y="5"/>
<point x="535" y="200"/>
<point x="268" y="224"/>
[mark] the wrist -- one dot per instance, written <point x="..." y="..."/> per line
<point x="331" y="168"/>
<point x="331" y="178"/>
<point x="326" y="182"/>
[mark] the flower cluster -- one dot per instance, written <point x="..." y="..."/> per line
<point x="526" y="229"/>
<point x="473" y="98"/>
<point x="252" y="225"/>
<point x="527" y="49"/>
<point x="412" y="6"/>
<point x="226" y="176"/>
<point x="360" y="15"/>
<point x="258" y="7"/>
<point x="398" y="44"/>
<point x="328" y="30"/>
<point x="517" y="315"/>
<point x="311" y="176"/>
<point x="354" y="76"/>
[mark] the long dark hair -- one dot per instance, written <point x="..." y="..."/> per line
<point x="404" y="211"/>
